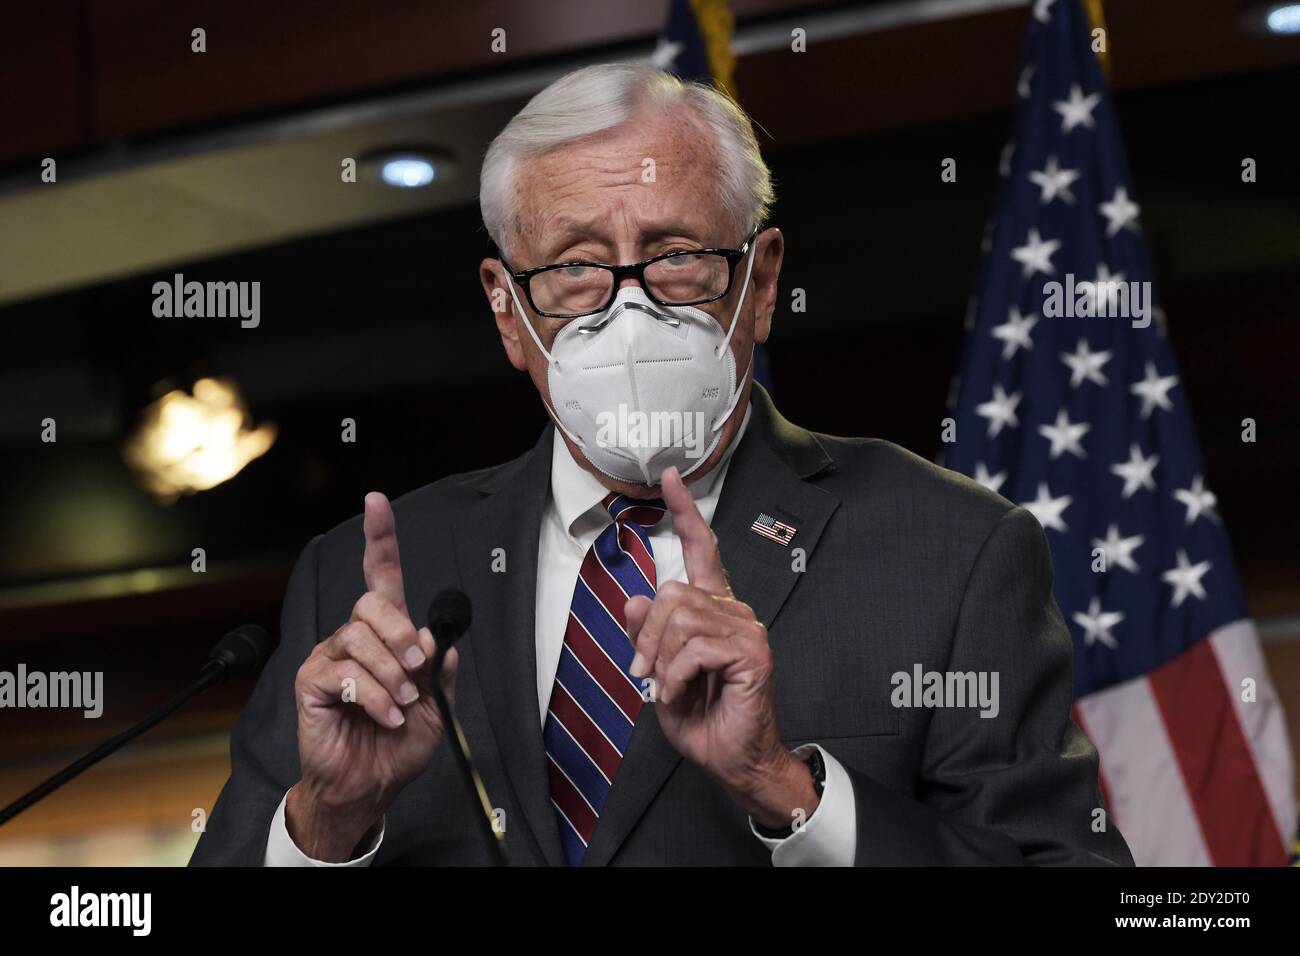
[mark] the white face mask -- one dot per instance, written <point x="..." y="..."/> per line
<point x="642" y="387"/>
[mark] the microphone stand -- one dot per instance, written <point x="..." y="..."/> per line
<point x="477" y="792"/>
<point x="218" y="668"/>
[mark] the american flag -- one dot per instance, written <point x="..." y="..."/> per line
<point x="1084" y="421"/>
<point x="683" y="48"/>
<point x="773" y="530"/>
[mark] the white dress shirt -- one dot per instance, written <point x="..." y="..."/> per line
<point x="573" y="519"/>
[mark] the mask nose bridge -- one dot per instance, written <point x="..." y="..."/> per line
<point x="634" y="298"/>
<point x="625" y="302"/>
<point x="650" y="310"/>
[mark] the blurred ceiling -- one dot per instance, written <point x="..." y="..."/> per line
<point x="166" y="156"/>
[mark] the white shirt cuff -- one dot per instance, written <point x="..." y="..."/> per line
<point x="830" y="836"/>
<point x="282" y="851"/>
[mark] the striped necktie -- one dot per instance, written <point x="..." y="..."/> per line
<point x="595" y="701"/>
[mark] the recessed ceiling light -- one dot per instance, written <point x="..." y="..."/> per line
<point x="408" y="168"/>
<point x="1281" y="19"/>
<point x="1284" y="18"/>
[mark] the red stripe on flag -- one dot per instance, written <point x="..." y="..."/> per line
<point x="1217" y="766"/>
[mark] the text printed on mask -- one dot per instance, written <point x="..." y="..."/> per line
<point x="630" y="429"/>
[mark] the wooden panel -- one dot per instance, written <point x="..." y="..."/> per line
<point x="908" y="76"/>
<point x="1155" y="42"/>
<point x="42" y="75"/>
<point x="947" y="69"/>
<point x="77" y="73"/>
<point x="1284" y="669"/>
<point x="263" y="56"/>
<point x="155" y="786"/>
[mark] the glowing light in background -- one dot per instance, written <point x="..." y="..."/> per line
<point x="191" y="442"/>
<point x="409" y="166"/>
<point x="407" y="172"/>
<point x="1284" y="18"/>
<point x="1279" y="19"/>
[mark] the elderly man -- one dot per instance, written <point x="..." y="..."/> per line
<point x="701" y="634"/>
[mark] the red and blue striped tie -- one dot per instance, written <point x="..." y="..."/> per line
<point x="595" y="701"/>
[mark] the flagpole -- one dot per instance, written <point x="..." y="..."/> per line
<point x="1098" y="20"/>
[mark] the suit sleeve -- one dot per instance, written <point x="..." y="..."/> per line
<point x="1018" y="787"/>
<point x="264" y="744"/>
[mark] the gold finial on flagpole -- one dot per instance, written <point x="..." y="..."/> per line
<point x="716" y="24"/>
<point x="1098" y="20"/>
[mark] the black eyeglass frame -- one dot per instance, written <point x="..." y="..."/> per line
<point x="523" y="278"/>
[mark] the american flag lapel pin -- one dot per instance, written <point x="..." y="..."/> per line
<point x="766" y="526"/>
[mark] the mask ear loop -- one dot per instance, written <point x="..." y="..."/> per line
<point x="726" y="343"/>
<point x="523" y="317"/>
<point x="744" y="289"/>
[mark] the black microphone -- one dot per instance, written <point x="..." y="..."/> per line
<point x="449" y="618"/>
<point x="240" y="651"/>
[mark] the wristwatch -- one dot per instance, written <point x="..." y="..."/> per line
<point x="817" y="768"/>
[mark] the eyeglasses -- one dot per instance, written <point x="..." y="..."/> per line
<point x="569" y="290"/>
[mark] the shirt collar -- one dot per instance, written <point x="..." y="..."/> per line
<point x="577" y="494"/>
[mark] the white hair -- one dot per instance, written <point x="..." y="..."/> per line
<point x="598" y="98"/>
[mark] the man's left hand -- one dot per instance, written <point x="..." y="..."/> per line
<point x="711" y="666"/>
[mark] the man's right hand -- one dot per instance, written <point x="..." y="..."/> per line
<point x="367" y="723"/>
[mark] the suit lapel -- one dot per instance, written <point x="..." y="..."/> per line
<point x="503" y="633"/>
<point x="768" y="478"/>
<point x="766" y="474"/>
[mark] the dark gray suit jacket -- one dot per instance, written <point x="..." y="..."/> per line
<point x="906" y="564"/>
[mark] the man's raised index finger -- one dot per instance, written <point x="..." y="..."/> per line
<point x="381" y="563"/>
<point x="699" y="546"/>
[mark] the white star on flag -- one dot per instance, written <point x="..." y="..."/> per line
<point x="1186" y="578"/>
<point x="1048" y="509"/>
<point x="1154" y="390"/>
<point x="1077" y="110"/>
<point x="991" y="482"/>
<point x="1086" y="364"/>
<point x="1022" y="85"/>
<point x="1004" y="162"/>
<point x="1136" y="472"/>
<point x="1054" y="181"/>
<point x="1064" y="436"/>
<point x="1015" y="332"/>
<point x="1036" y="254"/>
<point x="1198" y="499"/>
<point x="1120" y="212"/>
<point x="1110" y="468"/>
<point x="999" y="410"/>
<point x="1103" y="290"/>
<point x="1097" y="623"/>
<point x="1118" y="550"/>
